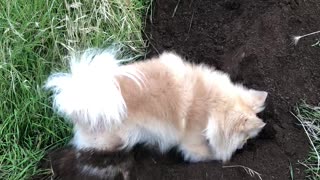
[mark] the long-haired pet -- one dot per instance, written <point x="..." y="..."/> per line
<point x="163" y="101"/>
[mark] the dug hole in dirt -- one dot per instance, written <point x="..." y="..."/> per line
<point x="251" y="40"/>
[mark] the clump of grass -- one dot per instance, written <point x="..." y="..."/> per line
<point x="309" y="118"/>
<point x="97" y="22"/>
<point x="35" y="38"/>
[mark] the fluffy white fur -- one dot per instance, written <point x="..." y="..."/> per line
<point x="194" y="107"/>
<point x="89" y="93"/>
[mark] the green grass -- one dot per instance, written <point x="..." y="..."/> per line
<point x="316" y="44"/>
<point x="35" y="38"/>
<point x="309" y="118"/>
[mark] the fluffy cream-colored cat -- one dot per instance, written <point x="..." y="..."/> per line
<point x="164" y="102"/>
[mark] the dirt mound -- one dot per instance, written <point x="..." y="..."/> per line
<point x="251" y="40"/>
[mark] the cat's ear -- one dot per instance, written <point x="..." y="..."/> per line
<point x="257" y="100"/>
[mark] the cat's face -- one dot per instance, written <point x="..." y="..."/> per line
<point x="237" y="124"/>
<point x="243" y="126"/>
<point x="244" y="116"/>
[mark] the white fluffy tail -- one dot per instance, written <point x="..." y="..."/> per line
<point x="89" y="93"/>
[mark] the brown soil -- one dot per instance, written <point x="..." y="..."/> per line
<point x="250" y="39"/>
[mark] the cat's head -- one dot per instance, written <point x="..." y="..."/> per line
<point x="236" y="122"/>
